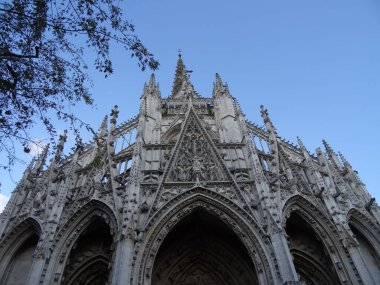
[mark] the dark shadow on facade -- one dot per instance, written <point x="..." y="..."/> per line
<point x="311" y="260"/>
<point x="20" y="264"/>
<point x="201" y="249"/>
<point x="89" y="259"/>
<point x="369" y="255"/>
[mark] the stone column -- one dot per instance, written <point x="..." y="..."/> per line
<point x="121" y="270"/>
<point x="35" y="270"/>
<point x="359" y="262"/>
<point x="284" y="257"/>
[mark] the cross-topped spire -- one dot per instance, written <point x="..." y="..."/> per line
<point x="180" y="75"/>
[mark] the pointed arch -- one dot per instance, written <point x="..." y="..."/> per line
<point x="193" y="150"/>
<point x="365" y="224"/>
<point x="73" y="230"/>
<point x="324" y="231"/>
<point x="17" y="249"/>
<point x="172" y="133"/>
<point x="367" y="234"/>
<point x="248" y="231"/>
<point x="202" y="248"/>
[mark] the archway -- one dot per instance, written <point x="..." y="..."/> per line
<point x="201" y="249"/>
<point x="16" y="252"/>
<point x="312" y="262"/>
<point x="89" y="259"/>
<point x="18" y="269"/>
<point x="369" y="244"/>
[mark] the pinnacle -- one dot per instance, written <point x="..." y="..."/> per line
<point x="344" y="160"/>
<point x="219" y="87"/>
<point x="327" y="147"/>
<point x="41" y="159"/>
<point x="218" y="80"/>
<point x="267" y="121"/>
<point x="152" y="80"/>
<point x="300" y="143"/>
<point x="331" y="154"/>
<point x="103" y="126"/>
<point x="180" y="76"/>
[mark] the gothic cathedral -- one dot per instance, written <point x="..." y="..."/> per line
<point x="189" y="192"/>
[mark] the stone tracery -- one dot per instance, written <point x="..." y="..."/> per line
<point x="183" y="157"/>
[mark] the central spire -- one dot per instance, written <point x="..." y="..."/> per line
<point x="180" y="76"/>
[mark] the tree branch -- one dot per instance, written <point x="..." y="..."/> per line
<point x="11" y="54"/>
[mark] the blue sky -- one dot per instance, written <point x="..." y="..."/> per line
<point x="314" y="64"/>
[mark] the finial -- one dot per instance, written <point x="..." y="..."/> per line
<point x="152" y="80"/>
<point x="179" y="52"/>
<point x="218" y="81"/>
<point x="180" y="76"/>
<point x="152" y="88"/>
<point x="264" y="114"/>
<point x="218" y="85"/>
<point x="114" y="114"/>
<point x="41" y="159"/>
<point x="220" y="88"/>
<point x="61" y="143"/>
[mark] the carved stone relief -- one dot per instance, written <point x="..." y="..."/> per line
<point x="195" y="160"/>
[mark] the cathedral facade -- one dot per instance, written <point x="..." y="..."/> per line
<point x="189" y="192"/>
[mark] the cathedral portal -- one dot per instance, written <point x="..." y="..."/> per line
<point x="202" y="250"/>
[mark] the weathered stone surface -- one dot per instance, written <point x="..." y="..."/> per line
<point x="190" y="192"/>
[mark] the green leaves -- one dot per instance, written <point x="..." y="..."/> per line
<point x="42" y="71"/>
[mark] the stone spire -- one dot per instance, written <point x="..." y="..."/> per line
<point x="41" y="160"/>
<point x="352" y="172"/>
<point x="268" y="123"/>
<point x="180" y="76"/>
<point x="332" y="156"/>
<point x="103" y="127"/>
<point x="152" y="88"/>
<point x="309" y="162"/>
<point x="218" y="85"/>
<point x="61" y="143"/>
<point x="152" y="80"/>
<point x="220" y="88"/>
<point x="305" y="151"/>
<point x="344" y="160"/>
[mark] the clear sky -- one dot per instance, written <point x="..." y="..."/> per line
<point x="314" y="64"/>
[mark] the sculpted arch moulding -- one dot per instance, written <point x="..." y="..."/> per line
<point x="180" y="154"/>
<point x="15" y="239"/>
<point x="363" y="222"/>
<point x="163" y="221"/>
<point x="326" y="232"/>
<point x="72" y="230"/>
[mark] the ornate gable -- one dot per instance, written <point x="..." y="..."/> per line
<point x="195" y="157"/>
<point x="195" y="162"/>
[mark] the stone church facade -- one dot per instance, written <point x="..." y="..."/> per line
<point x="189" y="192"/>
